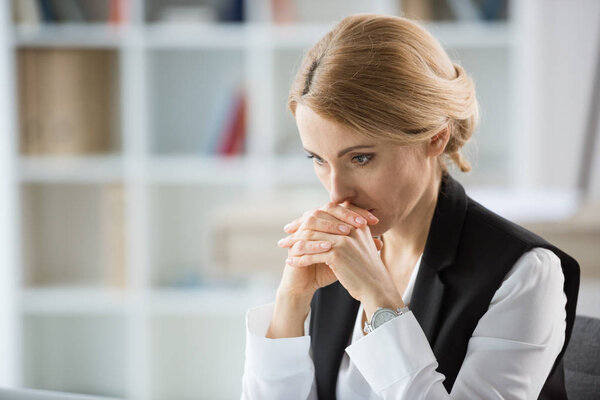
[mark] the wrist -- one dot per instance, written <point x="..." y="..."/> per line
<point x="288" y="317"/>
<point x="293" y="299"/>
<point x="383" y="299"/>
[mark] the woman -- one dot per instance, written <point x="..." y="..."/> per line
<point x="402" y="287"/>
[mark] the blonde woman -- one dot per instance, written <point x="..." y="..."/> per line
<point x="403" y="287"/>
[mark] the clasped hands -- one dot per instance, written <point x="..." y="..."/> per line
<point x="332" y="243"/>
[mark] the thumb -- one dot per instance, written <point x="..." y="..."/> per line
<point x="378" y="243"/>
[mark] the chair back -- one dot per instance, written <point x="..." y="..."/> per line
<point x="582" y="360"/>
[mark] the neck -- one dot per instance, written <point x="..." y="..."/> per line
<point x="408" y="238"/>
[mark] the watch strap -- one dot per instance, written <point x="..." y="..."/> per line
<point x="368" y="328"/>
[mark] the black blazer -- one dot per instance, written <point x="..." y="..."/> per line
<point x="469" y="251"/>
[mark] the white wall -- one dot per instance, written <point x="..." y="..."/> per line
<point x="568" y="43"/>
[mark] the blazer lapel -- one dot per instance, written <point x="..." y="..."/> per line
<point x="332" y="321"/>
<point x="440" y="251"/>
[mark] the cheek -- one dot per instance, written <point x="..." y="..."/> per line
<point x="322" y="176"/>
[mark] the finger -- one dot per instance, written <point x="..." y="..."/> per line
<point x="303" y="247"/>
<point x="369" y="216"/>
<point x="286" y="241"/>
<point x="310" y="235"/>
<point x="306" y="260"/>
<point x="324" y="222"/>
<point x="293" y="226"/>
<point x="345" y="214"/>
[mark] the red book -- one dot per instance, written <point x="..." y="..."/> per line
<point x="233" y="136"/>
<point x="117" y="11"/>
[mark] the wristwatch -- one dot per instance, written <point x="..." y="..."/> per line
<point x="381" y="316"/>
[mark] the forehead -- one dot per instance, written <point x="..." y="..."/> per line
<point x="322" y="134"/>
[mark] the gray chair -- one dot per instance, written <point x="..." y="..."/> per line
<point x="582" y="360"/>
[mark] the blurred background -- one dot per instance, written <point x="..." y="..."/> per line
<point x="149" y="164"/>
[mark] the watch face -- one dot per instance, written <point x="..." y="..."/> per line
<point x="382" y="316"/>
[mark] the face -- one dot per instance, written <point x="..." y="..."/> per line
<point x="386" y="179"/>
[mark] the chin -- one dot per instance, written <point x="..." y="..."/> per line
<point x="379" y="229"/>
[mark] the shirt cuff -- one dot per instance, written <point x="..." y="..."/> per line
<point x="394" y="351"/>
<point x="273" y="358"/>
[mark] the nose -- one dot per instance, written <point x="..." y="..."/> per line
<point x="340" y="189"/>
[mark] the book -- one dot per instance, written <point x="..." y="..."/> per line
<point x="284" y="11"/>
<point x="27" y="12"/>
<point x="112" y="219"/>
<point x="232" y="138"/>
<point x="67" y="11"/>
<point x="66" y="100"/>
<point x="417" y="9"/>
<point x="29" y="109"/>
<point x="48" y="15"/>
<point x="117" y="11"/>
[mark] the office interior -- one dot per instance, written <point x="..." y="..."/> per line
<point x="149" y="165"/>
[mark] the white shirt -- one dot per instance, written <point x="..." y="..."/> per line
<point x="509" y="355"/>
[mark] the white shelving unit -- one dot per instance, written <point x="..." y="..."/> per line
<point x="162" y="334"/>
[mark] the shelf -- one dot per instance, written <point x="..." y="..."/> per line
<point x="205" y="170"/>
<point x="207" y="300"/>
<point x="200" y="357"/>
<point x="201" y="36"/>
<point x="88" y="35"/>
<point x="295" y="36"/>
<point x="81" y="354"/>
<point x="139" y="259"/>
<point x="226" y="300"/>
<point x="234" y="35"/>
<point x="71" y="169"/>
<point x="74" y="300"/>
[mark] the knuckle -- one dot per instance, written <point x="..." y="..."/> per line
<point x="308" y="234"/>
<point x="330" y="206"/>
<point x="348" y="214"/>
<point x="311" y="220"/>
<point x="320" y="213"/>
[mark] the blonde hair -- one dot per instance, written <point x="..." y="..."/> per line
<point x="389" y="79"/>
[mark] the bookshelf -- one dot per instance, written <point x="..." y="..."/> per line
<point x="138" y="257"/>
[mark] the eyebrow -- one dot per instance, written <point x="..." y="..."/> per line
<point x="342" y="152"/>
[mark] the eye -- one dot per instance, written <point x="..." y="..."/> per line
<point x="315" y="159"/>
<point x="362" y="159"/>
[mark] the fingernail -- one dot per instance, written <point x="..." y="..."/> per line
<point x="373" y="218"/>
<point x="344" y="228"/>
<point x="360" y="220"/>
<point x="286" y="227"/>
<point x="289" y="261"/>
<point x="281" y="242"/>
<point x="325" y="245"/>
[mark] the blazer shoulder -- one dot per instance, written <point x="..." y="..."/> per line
<point x="489" y="220"/>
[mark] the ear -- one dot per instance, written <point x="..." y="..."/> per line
<point x="438" y="142"/>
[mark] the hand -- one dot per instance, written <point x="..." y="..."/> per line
<point x="331" y="218"/>
<point x="354" y="261"/>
